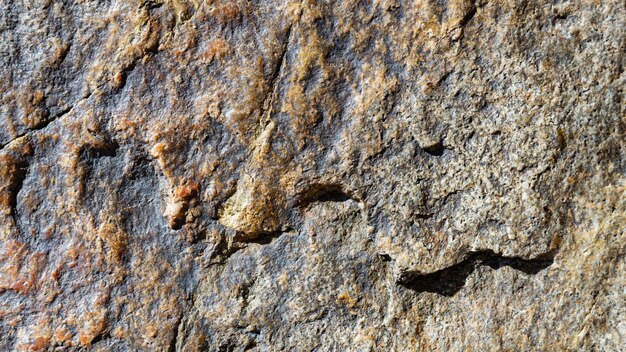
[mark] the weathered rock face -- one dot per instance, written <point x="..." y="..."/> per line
<point x="312" y="175"/>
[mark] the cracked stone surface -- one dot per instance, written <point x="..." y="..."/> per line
<point x="376" y="175"/>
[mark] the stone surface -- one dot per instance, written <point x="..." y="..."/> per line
<point x="312" y="175"/>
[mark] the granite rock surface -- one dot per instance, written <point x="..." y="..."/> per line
<point x="312" y="175"/>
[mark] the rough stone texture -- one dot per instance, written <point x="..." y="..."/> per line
<point x="306" y="175"/>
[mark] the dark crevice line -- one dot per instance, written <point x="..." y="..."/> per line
<point x="324" y="193"/>
<point x="128" y="69"/>
<point x="450" y="280"/>
<point x="177" y="327"/>
<point x="425" y="216"/>
<point x="443" y="78"/>
<point x="468" y="16"/>
<point x="21" y="170"/>
<point x="283" y="56"/>
<point x="151" y="4"/>
<point x="19" y="177"/>
<point x="268" y="237"/>
<point x="272" y="92"/>
<point x="46" y="123"/>
<point x="66" y="51"/>
<point x="436" y="149"/>
<point x="125" y="72"/>
<point x="273" y="81"/>
<point x="100" y="338"/>
<point x="264" y="238"/>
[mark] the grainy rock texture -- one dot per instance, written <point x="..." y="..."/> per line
<point x="307" y="175"/>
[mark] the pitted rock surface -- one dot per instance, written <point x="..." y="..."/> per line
<point x="312" y="175"/>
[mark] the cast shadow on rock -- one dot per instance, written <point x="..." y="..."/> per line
<point x="448" y="281"/>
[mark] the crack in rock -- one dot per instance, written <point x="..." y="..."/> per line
<point x="450" y="280"/>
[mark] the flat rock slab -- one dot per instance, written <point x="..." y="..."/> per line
<point x="383" y="175"/>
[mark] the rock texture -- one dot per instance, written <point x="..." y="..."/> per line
<point x="351" y="175"/>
